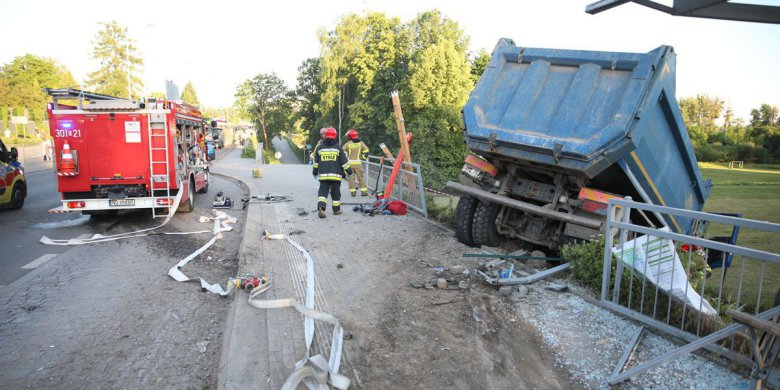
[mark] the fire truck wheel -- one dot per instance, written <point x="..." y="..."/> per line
<point x="205" y="188"/>
<point x="17" y="196"/>
<point x="189" y="204"/>
<point x="484" y="224"/>
<point x="464" y="215"/>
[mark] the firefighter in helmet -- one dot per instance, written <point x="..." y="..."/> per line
<point x="356" y="151"/>
<point x="330" y="166"/>
<point x="322" y="137"/>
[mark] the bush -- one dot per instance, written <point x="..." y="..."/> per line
<point x="249" y="149"/>
<point x="587" y="260"/>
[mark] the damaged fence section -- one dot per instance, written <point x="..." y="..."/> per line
<point x="697" y="287"/>
<point x="408" y="185"/>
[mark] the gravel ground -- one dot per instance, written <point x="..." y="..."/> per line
<point x="588" y="341"/>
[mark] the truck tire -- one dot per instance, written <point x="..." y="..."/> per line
<point x="17" y="196"/>
<point x="189" y="204"/>
<point x="483" y="227"/>
<point x="205" y="188"/>
<point x="464" y="215"/>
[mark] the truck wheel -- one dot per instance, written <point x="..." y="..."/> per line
<point x="464" y="214"/>
<point x="17" y="196"/>
<point x="205" y="188"/>
<point x="189" y="204"/>
<point x="483" y="228"/>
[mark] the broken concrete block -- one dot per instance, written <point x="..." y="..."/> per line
<point x="536" y="263"/>
<point x="494" y="263"/>
<point x="538" y="253"/>
<point x="441" y="283"/>
<point x="519" y="252"/>
<point x="557" y="287"/>
<point x="505" y="290"/>
<point x="522" y="290"/>
<point x="457" y="269"/>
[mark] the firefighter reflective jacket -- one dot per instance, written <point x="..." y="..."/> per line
<point x="330" y="161"/>
<point x="356" y="150"/>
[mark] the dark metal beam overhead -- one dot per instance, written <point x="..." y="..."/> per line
<point x="710" y="9"/>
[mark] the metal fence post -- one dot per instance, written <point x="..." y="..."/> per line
<point x="607" y="251"/>
<point x="423" y="201"/>
<point x="619" y="266"/>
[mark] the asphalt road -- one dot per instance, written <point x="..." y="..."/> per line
<point x="21" y="230"/>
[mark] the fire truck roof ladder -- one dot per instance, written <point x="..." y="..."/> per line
<point x="76" y="94"/>
<point x="158" y="143"/>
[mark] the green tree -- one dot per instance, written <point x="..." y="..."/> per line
<point x="308" y="92"/>
<point x="702" y="112"/>
<point x="765" y="115"/>
<point x="339" y="48"/>
<point x="267" y="102"/>
<point x="440" y="81"/>
<point x="365" y="57"/>
<point x="478" y="65"/>
<point x="120" y="63"/>
<point x="23" y="79"/>
<point x="188" y="95"/>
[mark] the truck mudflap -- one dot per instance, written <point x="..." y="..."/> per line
<point x="524" y="206"/>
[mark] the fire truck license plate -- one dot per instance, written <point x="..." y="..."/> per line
<point x="121" y="202"/>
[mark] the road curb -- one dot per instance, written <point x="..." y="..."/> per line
<point x="227" y="333"/>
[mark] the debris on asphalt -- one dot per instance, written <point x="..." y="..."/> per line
<point x="202" y="346"/>
<point x="557" y="287"/>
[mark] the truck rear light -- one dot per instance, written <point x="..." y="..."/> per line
<point x="594" y="200"/>
<point x="164" y="201"/>
<point x="75" y="205"/>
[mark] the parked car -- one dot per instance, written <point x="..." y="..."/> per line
<point x="13" y="184"/>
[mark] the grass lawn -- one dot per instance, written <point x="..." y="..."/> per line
<point x="755" y="193"/>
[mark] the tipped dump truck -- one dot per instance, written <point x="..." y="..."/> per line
<point x="556" y="133"/>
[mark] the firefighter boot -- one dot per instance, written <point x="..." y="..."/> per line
<point x="336" y="208"/>
<point x="321" y="212"/>
<point x="352" y="192"/>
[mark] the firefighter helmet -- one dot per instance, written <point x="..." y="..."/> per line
<point x="352" y="134"/>
<point x="330" y="133"/>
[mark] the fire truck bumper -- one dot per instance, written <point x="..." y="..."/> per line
<point x="113" y="204"/>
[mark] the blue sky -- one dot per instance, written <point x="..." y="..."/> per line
<point x="216" y="45"/>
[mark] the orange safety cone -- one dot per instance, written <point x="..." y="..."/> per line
<point x="67" y="163"/>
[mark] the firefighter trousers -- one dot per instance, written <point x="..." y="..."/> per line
<point x="334" y="188"/>
<point x="359" y="177"/>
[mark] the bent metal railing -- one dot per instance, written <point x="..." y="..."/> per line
<point x="408" y="185"/>
<point x="683" y="284"/>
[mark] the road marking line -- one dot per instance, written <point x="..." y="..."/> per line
<point x="39" y="261"/>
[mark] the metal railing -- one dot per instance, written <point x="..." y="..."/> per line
<point x="408" y="184"/>
<point x="681" y="284"/>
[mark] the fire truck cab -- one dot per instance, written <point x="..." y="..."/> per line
<point x="113" y="153"/>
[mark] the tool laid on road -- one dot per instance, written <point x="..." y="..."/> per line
<point x="377" y="192"/>
<point x="251" y="282"/>
<point x="221" y="201"/>
<point x="267" y="198"/>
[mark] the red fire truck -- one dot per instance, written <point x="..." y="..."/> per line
<point x="113" y="153"/>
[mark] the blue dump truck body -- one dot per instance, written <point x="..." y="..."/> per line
<point x="572" y="119"/>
